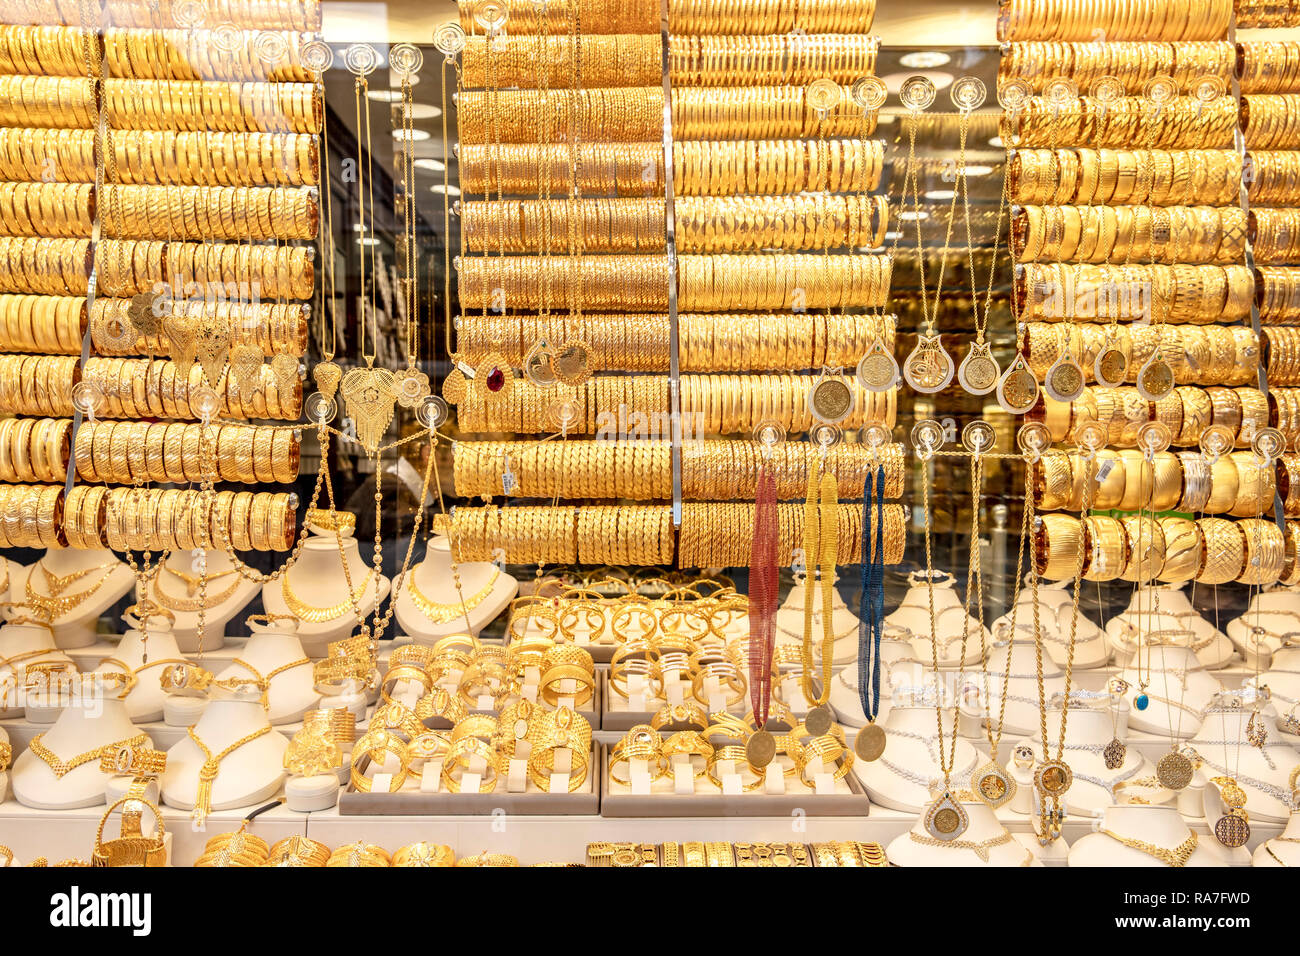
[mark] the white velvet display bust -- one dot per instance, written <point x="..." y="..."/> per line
<point x="1160" y="825"/>
<point x="22" y="645"/>
<point x="789" y="620"/>
<point x="1285" y="847"/>
<point x="248" y="775"/>
<point x="271" y="646"/>
<point x="485" y="590"/>
<point x="1055" y="611"/>
<point x="1224" y="751"/>
<point x="912" y="747"/>
<point x="152" y="639"/>
<point x="1175" y="675"/>
<point x="950" y="620"/>
<point x="82" y="726"/>
<point x="983" y="827"/>
<point x="1167" y="608"/>
<point x="1271" y="621"/>
<point x="317" y="579"/>
<point x="173" y="592"/>
<point x="78" y="626"/>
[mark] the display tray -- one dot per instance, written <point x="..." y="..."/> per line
<point x="618" y="801"/>
<point x="531" y="802"/>
<point x="614" y="718"/>
<point x="591" y="710"/>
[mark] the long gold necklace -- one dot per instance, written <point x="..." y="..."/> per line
<point x="192" y="582"/>
<point x="821" y="544"/>
<point x="55" y="602"/>
<point x="319" y="615"/>
<point x="1178" y="856"/>
<point x="440" y="613"/>
<point x="211" y="764"/>
<point x="62" y="768"/>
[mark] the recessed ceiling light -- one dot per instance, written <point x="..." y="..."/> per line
<point x="940" y="194"/>
<point x="924" y="59"/>
<point x="433" y="165"/>
<point x="978" y="170"/>
<point x="413" y="135"/>
<point x="451" y="189"/>
<point x="996" y="141"/>
<point x="893" y="234"/>
<point x="423" y="111"/>
<point x="385" y="96"/>
<point x="363" y="241"/>
<point x="913" y="215"/>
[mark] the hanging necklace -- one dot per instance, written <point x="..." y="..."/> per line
<point x="192" y="584"/>
<point x="211" y="766"/>
<point x="877" y="370"/>
<point x="760" y="748"/>
<point x="411" y="384"/>
<point x="439" y="613"/>
<point x="821" y="544"/>
<point x="1064" y="381"/>
<point x="945" y="819"/>
<point x="871" y="739"/>
<point x="928" y="368"/>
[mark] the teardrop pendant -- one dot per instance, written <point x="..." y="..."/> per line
<point x="946" y="819"/>
<point x="1018" y="388"/>
<point x="1110" y="367"/>
<point x="1155" y="380"/>
<point x="978" y="372"/>
<point x="928" y="369"/>
<point x="878" y="369"/>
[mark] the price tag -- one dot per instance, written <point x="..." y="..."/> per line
<point x="485" y="702"/>
<point x="773" y="779"/>
<point x="517" y="777"/>
<point x="639" y="775"/>
<point x="636" y="692"/>
<point x="381" y="783"/>
<point x="431" y="776"/>
<point x="824" y="781"/>
<point x="674" y="691"/>
<point x="561" y="769"/>
<point x="714" y="695"/>
<point x="683" y="774"/>
<point x="731" y="784"/>
<point x="793" y="692"/>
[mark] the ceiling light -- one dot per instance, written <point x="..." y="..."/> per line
<point x="893" y="234"/>
<point x="410" y="134"/>
<point x="924" y="59"/>
<point x="996" y="141"/>
<point x="940" y="194"/>
<point x="432" y="165"/>
<point x="978" y="170"/>
<point x="385" y="96"/>
<point x="912" y="216"/>
<point x="363" y="241"/>
<point x="451" y="189"/>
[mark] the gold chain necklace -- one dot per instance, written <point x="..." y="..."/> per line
<point x="62" y="768"/>
<point x="55" y="603"/>
<point x="821" y="544"/>
<point x="440" y="613"/>
<point x="1178" y="856"/>
<point x="211" y="764"/>
<point x="319" y="615"/>
<point x="981" y="849"/>
<point x="207" y="602"/>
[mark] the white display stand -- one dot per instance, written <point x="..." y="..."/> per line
<point x="1021" y="715"/>
<point x="77" y="628"/>
<point x="435" y="581"/>
<point x="1271" y="764"/>
<point x="912" y="746"/>
<point x="1055" y="608"/>
<point x="789" y="621"/>
<point x="983" y="828"/>
<point x="950" y="620"/>
<point x="1283" y="681"/>
<point x="1175" y="675"/>
<point x="23" y="645"/>
<point x="248" y="775"/>
<point x="218" y="615"/>
<point x="11" y="573"/>
<point x="1087" y="731"/>
<point x="899" y="668"/>
<point x="145" y="700"/>
<point x="83" y="725"/>
<point x="1212" y="647"/>
<point x="290" y="693"/>
<point x="1285" y="847"/>
<point x="1156" y="824"/>
<point x="1270" y="622"/>
<point x="317" y="579"/>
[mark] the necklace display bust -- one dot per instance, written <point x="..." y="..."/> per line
<point x="430" y="605"/>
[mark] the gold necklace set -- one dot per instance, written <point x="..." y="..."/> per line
<point x="192" y="585"/>
<point x="62" y="768"/>
<point x="440" y="613"/>
<point x="55" y="603"/>
<point x="1178" y="856"/>
<point x="211" y="765"/>
<point x="319" y="615"/>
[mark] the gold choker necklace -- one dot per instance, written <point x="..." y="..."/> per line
<point x="54" y="603"/>
<point x="190" y="603"/>
<point x="62" y="768"/>
<point x="319" y="615"/>
<point x="440" y="613"/>
<point x="1178" y="856"/>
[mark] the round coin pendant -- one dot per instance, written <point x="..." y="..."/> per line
<point x="1018" y="388"/>
<point x="946" y="819"/>
<point x="1053" y="777"/>
<point x="978" y="372"/>
<point x="818" y="722"/>
<point x="1155" y="380"/>
<point x="572" y="362"/>
<point x="760" y="749"/>
<point x="878" y="369"/>
<point x="1114" y="754"/>
<point x="830" y="400"/>
<point x="1174" y="771"/>
<point x="870" y="742"/>
<point x="1110" y="367"/>
<point x="1232" y="829"/>
<point x="928" y="368"/>
<point x="1064" y="380"/>
<point x="993" y="785"/>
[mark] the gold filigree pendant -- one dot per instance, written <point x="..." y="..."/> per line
<point x="946" y="819"/>
<point x="327" y="376"/>
<point x="978" y="372"/>
<point x="878" y="370"/>
<point x="993" y="784"/>
<point x="928" y="368"/>
<point x="369" y="399"/>
<point x="1114" y="754"/>
<point x="179" y="330"/>
<point x="1018" y="388"/>
<point x="212" y="346"/>
<point x="1174" y="771"/>
<point x="246" y="369"/>
<point x="284" y="368"/>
